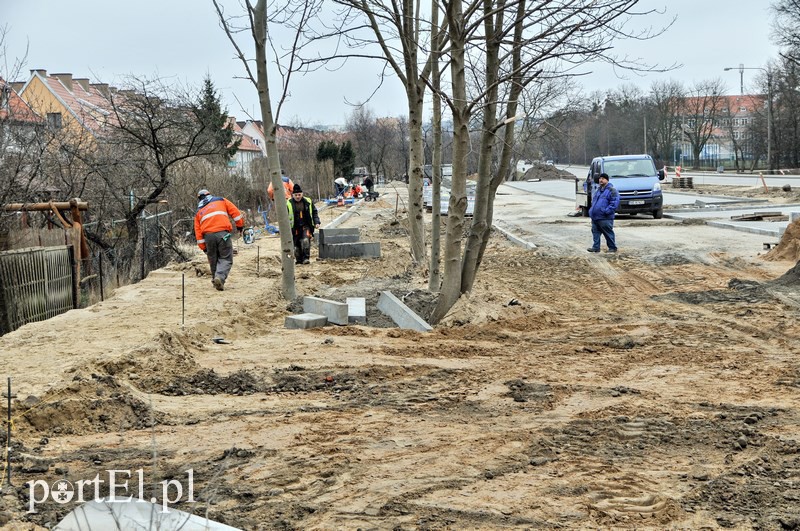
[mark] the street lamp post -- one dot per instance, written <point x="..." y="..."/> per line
<point x="741" y="69"/>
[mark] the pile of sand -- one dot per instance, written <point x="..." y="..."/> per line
<point x="543" y="172"/>
<point x="789" y="246"/>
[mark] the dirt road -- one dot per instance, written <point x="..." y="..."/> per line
<point x="657" y="388"/>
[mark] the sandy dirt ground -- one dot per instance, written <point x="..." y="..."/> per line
<point x="658" y="388"/>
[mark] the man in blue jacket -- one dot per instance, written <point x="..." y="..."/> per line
<point x="604" y="205"/>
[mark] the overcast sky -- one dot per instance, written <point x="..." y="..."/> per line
<point x="181" y="39"/>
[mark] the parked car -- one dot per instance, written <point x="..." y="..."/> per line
<point x="636" y="179"/>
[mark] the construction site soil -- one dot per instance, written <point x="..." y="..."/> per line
<point x="646" y="390"/>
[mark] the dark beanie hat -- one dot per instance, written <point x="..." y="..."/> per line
<point x="297" y="189"/>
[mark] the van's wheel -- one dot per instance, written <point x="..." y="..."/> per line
<point x="658" y="214"/>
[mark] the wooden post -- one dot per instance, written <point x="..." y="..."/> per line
<point x="62" y="205"/>
<point x="761" y="176"/>
<point x="75" y="234"/>
<point x="75" y="277"/>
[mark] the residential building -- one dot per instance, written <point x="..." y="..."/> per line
<point x="297" y="145"/>
<point x="248" y="151"/>
<point x="72" y="104"/>
<point x="732" y="121"/>
<point x="18" y="122"/>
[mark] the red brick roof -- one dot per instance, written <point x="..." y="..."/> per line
<point x="90" y="107"/>
<point x="15" y="109"/>
<point x="246" y="143"/>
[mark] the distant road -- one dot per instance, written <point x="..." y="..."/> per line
<point x="723" y="179"/>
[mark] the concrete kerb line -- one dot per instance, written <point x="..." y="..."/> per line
<point x="349" y="212"/>
<point x="744" y="228"/>
<point x="739" y="206"/>
<point x="344" y="216"/>
<point x="516" y="240"/>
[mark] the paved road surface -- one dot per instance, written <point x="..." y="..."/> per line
<point x="729" y="179"/>
<point x="715" y="210"/>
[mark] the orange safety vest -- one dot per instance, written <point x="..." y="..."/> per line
<point x="287" y="190"/>
<point x="213" y="217"/>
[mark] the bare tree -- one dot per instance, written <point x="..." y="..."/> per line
<point x="294" y="16"/>
<point x="728" y="116"/>
<point x="663" y="117"/>
<point x="786" y="113"/>
<point x="701" y="109"/>
<point x="298" y="145"/>
<point x="399" y="31"/>
<point x="363" y="131"/>
<point x="786" y="31"/>
<point x="434" y="280"/>
<point x="152" y="130"/>
<point x="514" y="44"/>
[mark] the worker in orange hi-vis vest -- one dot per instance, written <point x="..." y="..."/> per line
<point x="288" y="185"/>
<point x="212" y="228"/>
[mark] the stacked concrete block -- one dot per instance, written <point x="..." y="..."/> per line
<point x="334" y="236"/>
<point x="343" y="243"/>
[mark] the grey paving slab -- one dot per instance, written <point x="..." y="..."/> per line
<point x="305" y="320"/>
<point x="402" y="315"/>
<point x="721" y="217"/>
<point x="335" y="312"/>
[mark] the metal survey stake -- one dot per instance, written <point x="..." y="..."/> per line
<point x="8" y="435"/>
<point x="100" y="258"/>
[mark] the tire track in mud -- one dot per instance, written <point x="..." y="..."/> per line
<point x="631" y="281"/>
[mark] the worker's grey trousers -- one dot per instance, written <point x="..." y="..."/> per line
<point x="219" y="247"/>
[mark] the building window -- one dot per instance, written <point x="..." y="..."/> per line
<point x="742" y="109"/>
<point x="54" y="120"/>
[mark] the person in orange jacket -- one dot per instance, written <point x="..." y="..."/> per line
<point x="288" y="185"/>
<point x="212" y="228"/>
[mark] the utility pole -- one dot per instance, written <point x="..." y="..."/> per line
<point x="769" y="121"/>
<point x="741" y="79"/>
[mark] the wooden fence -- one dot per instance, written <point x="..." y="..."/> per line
<point x="35" y="284"/>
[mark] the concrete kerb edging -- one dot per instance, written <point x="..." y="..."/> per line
<point x="741" y="228"/>
<point x="344" y="216"/>
<point x="732" y="226"/>
<point x="516" y="240"/>
<point x="403" y="316"/>
<point x="735" y="205"/>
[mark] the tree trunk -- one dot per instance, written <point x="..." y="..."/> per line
<point x="480" y="225"/>
<point x="451" y="285"/>
<point x="435" y="279"/>
<point x="474" y="256"/>
<point x="416" y="227"/>
<point x="273" y="160"/>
